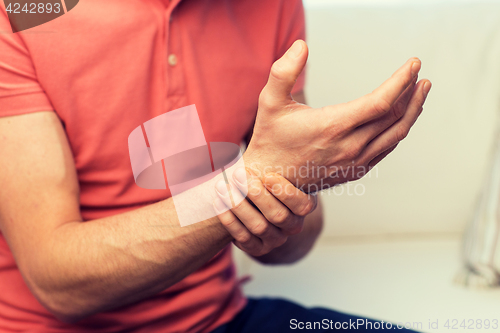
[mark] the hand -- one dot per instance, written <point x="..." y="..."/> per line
<point x="272" y="210"/>
<point x="333" y="144"/>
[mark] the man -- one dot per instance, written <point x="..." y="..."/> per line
<point x="83" y="248"/>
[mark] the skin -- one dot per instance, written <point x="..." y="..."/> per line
<point x="77" y="269"/>
<point x="276" y="223"/>
<point x="337" y="138"/>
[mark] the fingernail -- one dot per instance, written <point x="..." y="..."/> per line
<point x="219" y="206"/>
<point x="221" y="187"/>
<point x="268" y="179"/>
<point x="296" y="49"/>
<point x="240" y="176"/>
<point x="415" y="67"/>
<point x="427" y="88"/>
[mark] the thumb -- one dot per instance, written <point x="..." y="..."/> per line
<point x="284" y="73"/>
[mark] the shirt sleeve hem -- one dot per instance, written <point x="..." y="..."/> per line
<point x="27" y="103"/>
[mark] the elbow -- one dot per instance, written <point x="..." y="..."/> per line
<point x="64" y="310"/>
<point x="62" y="304"/>
<point x="64" y="296"/>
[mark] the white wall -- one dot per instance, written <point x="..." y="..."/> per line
<point x="379" y="3"/>
<point x="429" y="184"/>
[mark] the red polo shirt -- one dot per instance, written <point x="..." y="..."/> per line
<point x="108" y="66"/>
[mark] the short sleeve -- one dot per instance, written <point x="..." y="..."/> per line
<point x="20" y="91"/>
<point x="292" y="27"/>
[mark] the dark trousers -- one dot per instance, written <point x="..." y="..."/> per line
<point x="277" y="315"/>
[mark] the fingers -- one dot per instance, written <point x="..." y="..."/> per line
<point x="380" y="157"/>
<point x="259" y="229"/>
<point x="400" y="129"/>
<point x="391" y="89"/>
<point x="243" y="238"/>
<point x="365" y="133"/>
<point x="298" y="202"/>
<point x="381" y="100"/>
<point x="270" y="206"/>
<point x="249" y="216"/>
<point x="284" y="73"/>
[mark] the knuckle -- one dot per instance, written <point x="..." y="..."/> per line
<point x="381" y="106"/>
<point x="348" y="154"/>
<point x="280" y="216"/>
<point x="229" y="222"/>
<point x="265" y="100"/>
<point x="244" y="238"/>
<point x="306" y="208"/>
<point x="278" y="71"/>
<point x="352" y="151"/>
<point x="261" y="229"/>
<point x="401" y="132"/>
<point x="332" y="129"/>
<point x="399" y="110"/>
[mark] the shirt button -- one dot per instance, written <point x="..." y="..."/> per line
<point x="172" y="60"/>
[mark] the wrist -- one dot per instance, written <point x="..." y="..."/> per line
<point x="258" y="164"/>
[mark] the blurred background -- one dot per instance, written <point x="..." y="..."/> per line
<point x="391" y="247"/>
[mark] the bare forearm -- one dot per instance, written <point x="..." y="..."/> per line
<point x="103" y="264"/>
<point x="299" y="245"/>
